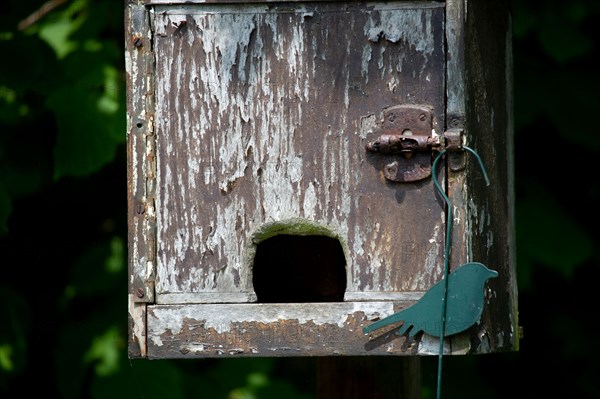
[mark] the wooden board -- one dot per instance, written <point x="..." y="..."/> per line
<point x="277" y="330"/>
<point x="262" y="116"/>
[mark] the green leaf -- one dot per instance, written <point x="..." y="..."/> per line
<point x="14" y="331"/>
<point x="57" y="28"/>
<point x="571" y="117"/>
<point x="6" y="363"/>
<point x="91" y="122"/>
<point x="74" y="342"/>
<point x="98" y="268"/>
<point x="524" y="19"/>
<point x="560" y="32"/>
<point x="142" y="379"/>
<point x="33" y="68"/>
<point x="563" y="96"/>
<point x="549" y="236"/>
<point x="105" y="352"/>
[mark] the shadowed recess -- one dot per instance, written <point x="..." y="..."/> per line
<point x="293" y="268"/>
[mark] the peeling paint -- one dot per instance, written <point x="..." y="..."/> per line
<point x="429" y="345"/>
<point x="392" y="27"/>
<point x="253" y="131"/>
<point x="166" y="319"/>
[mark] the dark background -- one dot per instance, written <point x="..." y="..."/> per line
<point x="63" y="219"/>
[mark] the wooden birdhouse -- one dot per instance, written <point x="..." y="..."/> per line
<point x="281" y="186"/>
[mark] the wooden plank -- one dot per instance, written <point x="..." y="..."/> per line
<point x="278" y="330"/>
<point x="262" y="120"/>
<point x="411" y="4"/>
<point x="484" y="216"/>
<point x="140" y="173"/>
<point x="140" y="147"/>
<point x="221" y="297"/>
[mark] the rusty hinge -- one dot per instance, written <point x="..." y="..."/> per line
<point x="408" y="140"/>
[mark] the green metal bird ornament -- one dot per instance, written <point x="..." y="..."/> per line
<point x="465" y="300"/>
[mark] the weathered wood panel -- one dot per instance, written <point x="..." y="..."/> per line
<point x="262" y="116"/>
<point x="414" y="3"/>
<point x="480" y="101"/>
<point x="273" y="330"/>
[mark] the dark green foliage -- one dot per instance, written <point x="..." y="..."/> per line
<point x="63" y="220"/>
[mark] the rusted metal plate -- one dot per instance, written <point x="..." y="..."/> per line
<point x="317" y="329"/>
<point x="408" y="131"/>
<point x="262" y="116"/>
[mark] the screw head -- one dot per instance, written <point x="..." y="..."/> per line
<point x="137" y="42"/>
<point x="139" y="293"/>
<point x="392" y="168"/>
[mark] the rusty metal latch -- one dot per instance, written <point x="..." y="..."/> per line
<point x="408" y="132"/>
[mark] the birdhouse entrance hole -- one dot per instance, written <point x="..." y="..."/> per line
<point x="295" y="268"/>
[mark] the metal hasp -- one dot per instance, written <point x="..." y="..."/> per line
<point x="408" y="132"/>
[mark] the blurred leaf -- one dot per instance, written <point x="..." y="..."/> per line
<point x="71" y="369"/>
<point x="560" y="31"/>
<point x="23" y="119"/>
<point x="117" y="261"/>
<point x="99" y="269"/>
<point x="91" y="122"/>
<point x="6" y="363"/>
<point x="560" y="88"/>
<point x="21" y="173"/>
<point x="22" y="179"/>
<point x="573" y="100"/>
<point x="523" y="19"/>
<point x="105" y="352"/>
<point x="142" y="379"/>
<point x="10" y="109"/>
<point x="548" y="235"/>
<point x="565" y="97"/>
<point x="89" y="105"/>
<point x="254" y="380"/>
<point x="33" y="66"/>
<point x="280" y="389"/>
<point x="565" y="326"/>
<point x="258" y="380"/>
<point x="14" y="331"/>
<point x="57" y="29"/>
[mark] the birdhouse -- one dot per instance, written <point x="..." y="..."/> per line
<point x="283" y="185"/>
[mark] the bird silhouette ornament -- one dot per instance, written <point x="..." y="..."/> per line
<point x="453" y="304"/>
<point x="465" y="300"/>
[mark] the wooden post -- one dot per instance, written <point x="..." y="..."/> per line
<point x="369" y="377"/>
